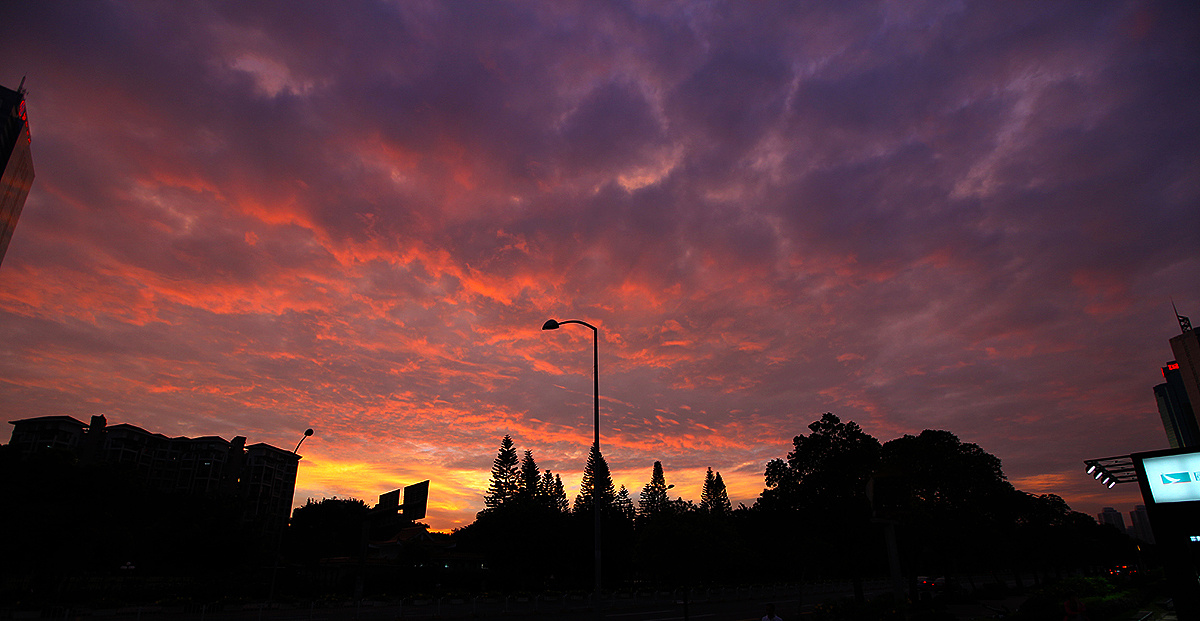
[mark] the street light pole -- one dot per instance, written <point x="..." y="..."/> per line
<point x="307" y="432"/>
<point x="554" y="325"/>
<point x="279" y="539"/>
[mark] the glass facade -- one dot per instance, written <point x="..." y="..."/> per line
<point x="16" y="163"/>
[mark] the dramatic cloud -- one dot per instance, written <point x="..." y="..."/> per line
<point x="253" y="218"/>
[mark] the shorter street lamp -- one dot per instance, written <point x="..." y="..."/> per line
<point x="279" y="539"/>
<point x="307" y="432"/>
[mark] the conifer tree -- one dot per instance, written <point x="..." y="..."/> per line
<point x="545" y="489"/>
<point x="721" y="504"/>
<point x="624" y="504"/>
<point x="596" y="488"/>
<point x="529" y="478"/>
<point x="505" y="477"/>
<point x="653" y="498"/>
<point x="708" y="493"/>
<point x="714" y="498"/>
<point x="558" y="498"/>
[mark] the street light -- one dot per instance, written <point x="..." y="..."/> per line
<point x="307" y="432"/>
<point x="554" y="325"/>
<point x="279" y="539"/>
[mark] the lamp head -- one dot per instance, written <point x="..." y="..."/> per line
<point x="308" y="432"/>
<point x="550" y="325"/>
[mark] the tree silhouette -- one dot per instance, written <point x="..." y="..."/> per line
<point x="506" y="481"/>
<point x="559" y="496"/>
<point x="550" y="493"/>
<point x="714" y="498"/>
<point x="653" y="499"/>
<point x="596" y="488"/>
<point x="327" y="528"/>
<point x="951" y="496"/>
<point x="825" y="479"/>
<point x="826" y="470"/>
<point x="529" y="480"/>
<point x="624" y="504"/>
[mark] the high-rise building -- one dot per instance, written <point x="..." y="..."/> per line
<point x="16" y="161"/>
<point x="1179" y="396"/>
<point x="1175" y="409"/>
<point x="1113" y="518"/>
<point x="1140" y="524"/>
<point x="1186" y="348"/>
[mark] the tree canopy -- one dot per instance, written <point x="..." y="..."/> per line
<point x="596" y="488"/>
<point x="827" y="471"/>
<point x="653" y="498"/>
<point x="506" y="480"/>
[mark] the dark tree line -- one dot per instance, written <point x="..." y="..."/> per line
<point x="821" y="515"/>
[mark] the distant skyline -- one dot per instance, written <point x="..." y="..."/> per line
<point x="254" y="218"/>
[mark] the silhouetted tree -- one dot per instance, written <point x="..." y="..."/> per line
<point x="624" y="504"/>
<point x="722" y="502"/>
<point x="959" y="503"/>
<point x="506" y="480"/>
<point x="326" y="528"/>
<point x="551" y="493"/>
<point x="825" y="479"/>
<point x="530" y="478"/>
<point x="525" y="529"/>
<point x="713" y="497"/>
<point x="596" y="488"/>
<point x="653" y="498"/>
<point x="826" y="470"/>
<point x="559" y="496"/>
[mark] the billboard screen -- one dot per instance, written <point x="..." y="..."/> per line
<point x="416" y="496"/>
<point x="1173" y="478"/>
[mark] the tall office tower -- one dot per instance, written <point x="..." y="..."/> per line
<point x="1175" y="409"/>
<point x="1141" y="524"/>
<point x="1113" y="518"/>
<point x="1179" y="397"/>
<point x="16" y="161"/>
<point x="1186" y="348"/>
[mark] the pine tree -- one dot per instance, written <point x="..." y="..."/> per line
<point x="708" y="493"/>
<point x="545" y="489"/>
<point x="529" y="479"/>
<point x="653" y="498"/>
<point x="559" y="497"/>
<point x="624" y="504"/>
<point x="714" y="498"/>
<point x="721" y="504"/>
<point x="505" y="477"/>
<point x="596" y="488"/>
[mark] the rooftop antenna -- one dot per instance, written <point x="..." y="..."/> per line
<point x="21" y="90"/>
<point x="1185" y="324"/>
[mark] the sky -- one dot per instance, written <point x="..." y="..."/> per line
<point x="252" y="218"/>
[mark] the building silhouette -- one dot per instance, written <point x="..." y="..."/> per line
<point x="1186" y="348"/>
<point x="16" y="162"/>
<point x="1175" y="409"/>
<point x="1179" y="395"/>
<point x="1140" y="524"/>
<point x="259" y="479"/>
<point x="1113" y="518"/>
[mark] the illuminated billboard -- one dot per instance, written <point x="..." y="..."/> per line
<point x="1172" y="478"/>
